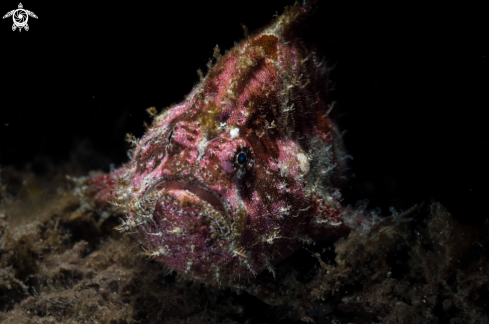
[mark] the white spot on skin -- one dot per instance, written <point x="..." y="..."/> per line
<point x="201" y="148"/>
<point x="234" y="132"/>
<point x="303" y="162"/>
<point x="176" y="230"/>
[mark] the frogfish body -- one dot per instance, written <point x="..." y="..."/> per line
<point x="244" y="171"/>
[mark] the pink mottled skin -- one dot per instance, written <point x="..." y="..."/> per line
<point x="196" y="206"/>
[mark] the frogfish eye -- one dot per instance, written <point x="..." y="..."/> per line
<point x="241" y="158"/>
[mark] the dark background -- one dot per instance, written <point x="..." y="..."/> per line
<point x="411" y="83"/>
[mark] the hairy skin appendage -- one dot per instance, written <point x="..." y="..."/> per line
<point x="244" y="171"/>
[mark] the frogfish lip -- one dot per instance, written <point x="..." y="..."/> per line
<point x="194" y="187"/>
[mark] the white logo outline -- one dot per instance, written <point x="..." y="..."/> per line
<point x="20" y="16"/>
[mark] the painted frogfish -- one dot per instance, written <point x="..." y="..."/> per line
<point x="244" y="171"/>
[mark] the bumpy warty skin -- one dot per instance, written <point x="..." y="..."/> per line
<point x="245" y="170"/>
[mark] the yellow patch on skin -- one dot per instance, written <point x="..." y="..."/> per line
<point x="209" y="122"/>
<point x="268" y="43"/>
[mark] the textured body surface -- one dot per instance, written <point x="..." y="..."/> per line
<point x="245" y="170"/>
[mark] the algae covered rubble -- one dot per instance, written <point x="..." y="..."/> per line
<point x="62" y="264"/>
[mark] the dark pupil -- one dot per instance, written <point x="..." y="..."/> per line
<point x="241" y="158"/>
